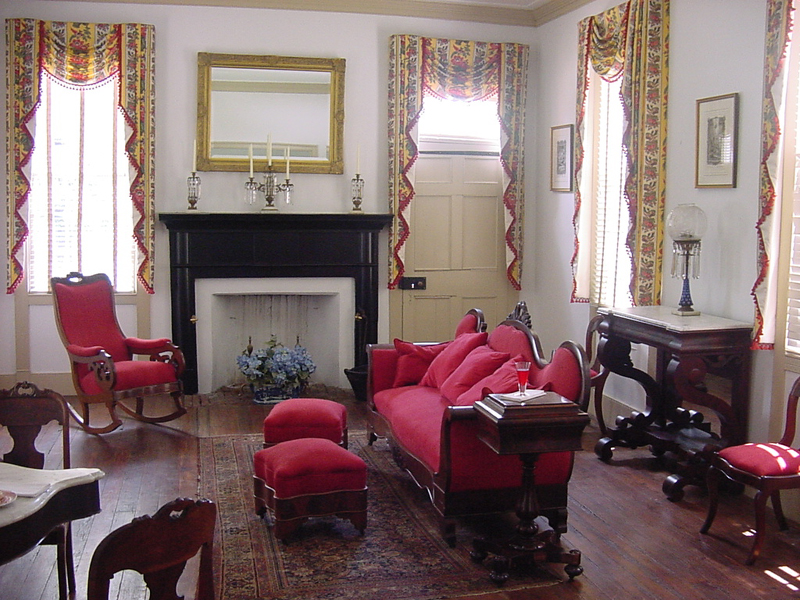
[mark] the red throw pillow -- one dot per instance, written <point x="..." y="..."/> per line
<point x="502" y="381"/>
<point x="414" y="361"/>
<point x="479" y="363"/>
<point x="452" y="356"/>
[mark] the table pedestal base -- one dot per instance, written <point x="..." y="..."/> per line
<point x="534" y="541"/>
<point x="540" y="546"/>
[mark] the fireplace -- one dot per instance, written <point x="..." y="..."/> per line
<point x="257" y="245"/>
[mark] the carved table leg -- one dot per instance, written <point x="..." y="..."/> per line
<point x="534" y="540"/>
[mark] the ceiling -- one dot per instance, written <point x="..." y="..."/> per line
<point x="530" y="13"/>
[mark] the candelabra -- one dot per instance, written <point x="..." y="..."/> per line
<point x="686" y="224"/>
<point x="193" y="181"/>
<point x="358" y="188"/>
<point x="270" y="188"/>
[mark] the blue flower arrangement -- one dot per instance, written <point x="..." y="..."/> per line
<point x="276" y="365"/>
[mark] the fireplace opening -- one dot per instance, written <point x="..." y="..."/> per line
<point x="317" y="312"/>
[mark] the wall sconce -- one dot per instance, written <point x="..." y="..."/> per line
<point x="686" y="224"/>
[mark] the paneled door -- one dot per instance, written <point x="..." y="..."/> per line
<point x="456" y="244"/>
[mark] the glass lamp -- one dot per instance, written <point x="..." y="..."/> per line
<point x="686" y="225"/>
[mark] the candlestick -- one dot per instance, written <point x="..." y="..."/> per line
<point x="250" y="154"/>
<point x="287" y="163"/>
<point x="358" y="159"/>
<point x="194" y="156"/>
<point x="269" y="149"/>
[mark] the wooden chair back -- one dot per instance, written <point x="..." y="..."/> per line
<point x="24" y="410"/>
<point x="158" y="547"/>
<point x="790" y="427"/>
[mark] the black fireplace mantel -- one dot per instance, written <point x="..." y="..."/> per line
<point x="227" y="245"/>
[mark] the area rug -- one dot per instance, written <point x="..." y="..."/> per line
<point x="401" y="555"/>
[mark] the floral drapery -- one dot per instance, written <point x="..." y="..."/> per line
<point x="81" y="54"/>
<point x="764" y="292"/>
<point x="630" y="41"/>
<point x="462" y="70"/>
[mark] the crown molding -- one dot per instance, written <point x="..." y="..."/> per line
<point x="479" y="13"/>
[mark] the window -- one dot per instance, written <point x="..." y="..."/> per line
<point x="80" y="212"/>
<point x="792" y="204"/>
<point x="460" y="119"/>
<point x="604" y="184"/>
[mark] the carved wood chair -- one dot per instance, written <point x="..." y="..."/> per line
<point x="597" y="373"/>
<point x="24" y="410"/>
<point x="769" y="468"/>
<point x="103" y="368"/>
<point x="158" y="547"/>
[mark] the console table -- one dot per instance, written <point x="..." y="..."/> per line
<point x="224" y="245"/>
<point x="687" y="349"/>
<point x="547" y="423"/>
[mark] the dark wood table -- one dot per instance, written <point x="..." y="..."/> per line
<point x="688" y="348"/>
<point x="25" y="522"/>
<point x="547" y="423"/>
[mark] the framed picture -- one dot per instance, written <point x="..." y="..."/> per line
<point x="717" y="125"/>
<point x="561" y="158"/>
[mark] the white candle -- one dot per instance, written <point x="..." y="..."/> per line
<point x="194" y="157"/>
<point x="269" y="149"/>
<point x="358" y="159"/>
<point x="250" y="154"/>
<point x="287" y="163"/>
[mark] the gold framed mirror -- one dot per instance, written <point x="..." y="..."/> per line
<point x="252" y="103"/>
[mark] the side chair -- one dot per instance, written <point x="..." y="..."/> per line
<point x="158" y="547"/>
<point x="102" y="358"/>
<point x="24" y="410"/>
<point x="769" y="468"/>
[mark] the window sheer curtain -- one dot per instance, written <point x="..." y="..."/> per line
<point x="628" y="41"/>
<point x="81" y="54"/>
<point x="463" y="70"/>
<point x="765" y="288"/>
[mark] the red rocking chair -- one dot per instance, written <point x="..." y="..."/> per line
<point x="103" y="368"/>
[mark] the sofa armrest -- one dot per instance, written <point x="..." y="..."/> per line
<point x="381" y="368"/>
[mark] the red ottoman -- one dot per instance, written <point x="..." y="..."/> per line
<point x="309" y="477"/>
<point x="306" y="418"/>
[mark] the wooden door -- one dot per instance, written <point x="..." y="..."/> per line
<point x="457" y="244"/>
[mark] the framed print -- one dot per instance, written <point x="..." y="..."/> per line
<point x="715" y="157"/>
<point x="561" y="158"/>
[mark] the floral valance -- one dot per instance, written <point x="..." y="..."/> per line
<point x="81" y="54"/>
<point x="463" y="70"/>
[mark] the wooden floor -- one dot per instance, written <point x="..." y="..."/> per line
<point x="635" y="543"/>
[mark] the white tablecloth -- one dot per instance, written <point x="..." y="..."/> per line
<point x="34" y="487"/>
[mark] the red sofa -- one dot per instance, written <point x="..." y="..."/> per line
<point x="421" y="397"/>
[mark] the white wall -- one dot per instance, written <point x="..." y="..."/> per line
<point x="716" y="47"/>
<point x="181" y="32"/>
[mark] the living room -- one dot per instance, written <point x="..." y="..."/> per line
<point x="716" y="47"/>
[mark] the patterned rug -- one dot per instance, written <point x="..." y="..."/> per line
<point x="401" y="555"/>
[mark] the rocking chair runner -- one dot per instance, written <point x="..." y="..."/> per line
<point x="103" y="369"/>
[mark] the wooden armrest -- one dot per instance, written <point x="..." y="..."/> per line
<point x="160" y="349"/>
<point x="98" y="361"/>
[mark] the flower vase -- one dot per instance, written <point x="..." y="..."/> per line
<point x="272" y="394"/>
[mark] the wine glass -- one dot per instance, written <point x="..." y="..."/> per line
<point x="523" y="369"/>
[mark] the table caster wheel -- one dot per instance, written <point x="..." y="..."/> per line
<point x="604" y="448"/>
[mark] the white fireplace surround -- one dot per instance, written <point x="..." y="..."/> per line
<point x="320" y="311"/>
